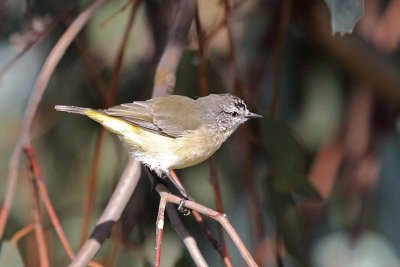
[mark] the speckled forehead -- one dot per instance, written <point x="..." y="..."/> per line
<point x="239" y="104"/>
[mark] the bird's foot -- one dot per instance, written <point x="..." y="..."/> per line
<point x="185" y="211"/>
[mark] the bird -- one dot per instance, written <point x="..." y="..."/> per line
<point x="173" y="131"/>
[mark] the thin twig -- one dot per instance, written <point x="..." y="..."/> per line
<point x="39" y="37"/>
<point x="203" y="82"/>
<point x="159" y="231"/>
<point x="21" y="233"/>
<point x="38" y="228"/>
<point x="48" y="68"/>
<point x="47" y="203"/>
<point x="220" y="208"/>
<point x="118" y="11"/>
<point x="206" y="232"/>
<point x="219" y="217"/>
<point x="188" y="240"/>
<point x="92" y="67"/>
<point x="91" y="183"/>
<point x="232" y="51"/>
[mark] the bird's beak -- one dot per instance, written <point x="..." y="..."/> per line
<point x="251" y="115"/>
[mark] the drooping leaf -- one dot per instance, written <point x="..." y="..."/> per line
<point x="288" y="224"/>
<point x="286" y="160"/>
<point x="345" y="14"/>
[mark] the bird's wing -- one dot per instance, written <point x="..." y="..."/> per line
<point x="171" y="117"/>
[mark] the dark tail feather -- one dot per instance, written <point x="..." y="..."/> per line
<point x="71" y="109"/>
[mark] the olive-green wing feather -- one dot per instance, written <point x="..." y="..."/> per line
<point x="169" y="115"/>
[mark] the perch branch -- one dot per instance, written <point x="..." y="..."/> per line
<point x="206" y="232"/>
<point x="219" y="217"/>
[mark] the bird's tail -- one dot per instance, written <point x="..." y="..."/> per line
<point x="115" y="125"/>
<point x="72" y="109"/>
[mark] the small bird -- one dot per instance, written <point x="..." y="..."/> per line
<point x="172" y="132"/>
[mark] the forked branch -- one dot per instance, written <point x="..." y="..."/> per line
<point x="219" y="217"/>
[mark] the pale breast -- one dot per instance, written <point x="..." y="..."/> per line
<point x="162" y="152"/>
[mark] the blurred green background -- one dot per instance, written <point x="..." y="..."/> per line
<point x="314" y="183"/>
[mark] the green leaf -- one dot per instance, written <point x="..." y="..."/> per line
<point x="286" y="159"/>
<point x="10" y="256"/>
<point x="288" y="224"/>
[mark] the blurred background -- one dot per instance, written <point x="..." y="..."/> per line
<point x="313" y="183"/>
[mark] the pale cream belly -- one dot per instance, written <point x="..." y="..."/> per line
<point x="161" y="152"/>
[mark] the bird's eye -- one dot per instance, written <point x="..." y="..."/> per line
<point x="234" y="114"/>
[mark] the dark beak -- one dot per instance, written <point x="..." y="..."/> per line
<point x="251" y="115"/>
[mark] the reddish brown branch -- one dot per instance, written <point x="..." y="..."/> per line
<point x="21" y="233"/>
<point x="47" y="203"/>
<point x="220" y="245"/>
<point x="159" y="232"/>
<point x="41" y="83"/>
<point x="206" y="232"/>
<point x="120" y="10"/>
<point x="220" y="208"/>
<point x="232" y="51"/>
<point x="203" y="82"/>
<point x="38" y="228"/>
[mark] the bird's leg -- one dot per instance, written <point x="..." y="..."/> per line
<point x="182" y="191"/>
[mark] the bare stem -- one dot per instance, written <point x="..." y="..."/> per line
<point x="159" y="231"/>
<point x="188" y="240"/>
<point x="47" y="203"/>
<point x="37" y="224"/>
